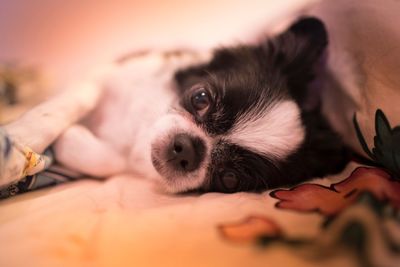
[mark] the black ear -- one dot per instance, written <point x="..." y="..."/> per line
<point x="296" y="51"/>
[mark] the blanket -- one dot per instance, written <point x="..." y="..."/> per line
<point x="351" y="219"/>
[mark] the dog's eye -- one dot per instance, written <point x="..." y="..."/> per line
<point x="229" y="181"/>
<point x="201" y="100"/>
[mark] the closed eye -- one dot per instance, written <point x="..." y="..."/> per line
<point x="227" y="181"/>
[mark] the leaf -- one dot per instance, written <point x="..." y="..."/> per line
<point x="361" y="138"/>
<point x="250" y="229"/>
<point x="387" y="143"/>
<point x="386" y="151"/>
<point x="337" y="197"/>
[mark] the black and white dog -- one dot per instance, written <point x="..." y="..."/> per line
<point x="244" y="118"/>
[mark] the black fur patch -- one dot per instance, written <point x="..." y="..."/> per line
<point x="254" y="171"/>
<point x="239" y="78"/>
<point x="279" y="69"/>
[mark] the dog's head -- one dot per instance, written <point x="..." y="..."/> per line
<point x="241" y="123"/>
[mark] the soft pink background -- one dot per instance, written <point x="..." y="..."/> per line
<point x="68" y="37"/>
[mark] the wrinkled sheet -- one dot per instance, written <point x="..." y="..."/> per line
<point x="351" y="219"/>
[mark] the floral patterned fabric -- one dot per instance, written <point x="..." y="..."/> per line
<point x="355" y="215"/>
<point x="351" y="219"/>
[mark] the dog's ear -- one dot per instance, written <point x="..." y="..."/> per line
<point x="296" y="51"/>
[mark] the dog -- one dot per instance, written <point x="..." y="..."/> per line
<point x="243" y="118"/>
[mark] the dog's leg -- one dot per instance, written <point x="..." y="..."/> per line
<point x="78" y="149"/>
<point x="40" y="126"/>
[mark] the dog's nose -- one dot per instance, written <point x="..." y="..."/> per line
<point x="185" y="153"/>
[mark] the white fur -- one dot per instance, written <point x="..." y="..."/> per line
<point x="275" y="133"/>
<point x="134" y="110"/>
<point x="99" y="158"/>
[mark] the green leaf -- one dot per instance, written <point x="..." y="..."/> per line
<point x="386" y="151"/>
<point x="361" y="138"/>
